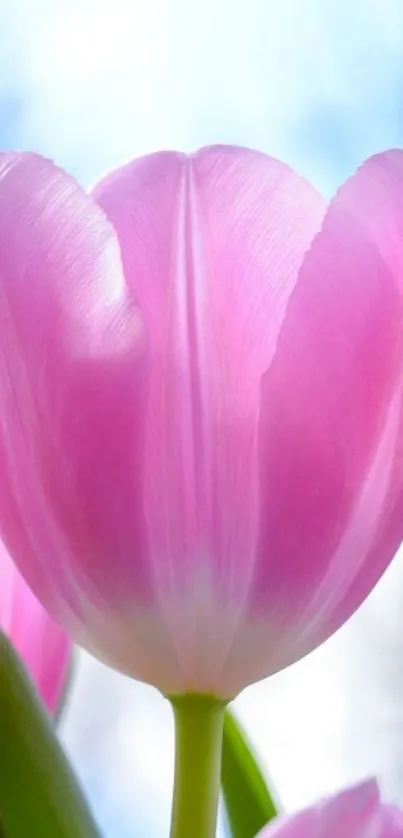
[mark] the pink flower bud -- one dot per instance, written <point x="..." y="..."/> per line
<point x="354" y="813"/>
<point x="200" y="406"/>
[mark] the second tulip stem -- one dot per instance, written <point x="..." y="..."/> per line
<point x="199" y="724"/>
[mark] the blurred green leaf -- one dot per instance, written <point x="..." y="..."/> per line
<point x="248" y="802"/>
<point x="69" y="681"/>
<point x="39" y="795"/>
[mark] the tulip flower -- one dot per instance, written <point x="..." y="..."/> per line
<point x="42" y="645"/>
<point x="356" y="812"/>
<point x="200" y="400"/>
<point x="200" y="413"/>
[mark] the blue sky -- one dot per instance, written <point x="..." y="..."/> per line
<point x="92" y="82"/>
<point x="317" y="83"/>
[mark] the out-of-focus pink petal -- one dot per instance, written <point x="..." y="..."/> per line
<point x="43" y="646"/>
<point x="211" y="246"/>
<point x="71" y="341"/>
<point x="392" y="822"/>
<point x="356" y="812"/>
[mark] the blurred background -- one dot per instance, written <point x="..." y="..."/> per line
<point x="317" y="83"/>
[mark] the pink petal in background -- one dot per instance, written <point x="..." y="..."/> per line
<point x="44" y="648"/>
<point x="356" y="812"/>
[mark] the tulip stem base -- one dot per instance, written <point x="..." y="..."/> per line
<point x="199" y="722"/>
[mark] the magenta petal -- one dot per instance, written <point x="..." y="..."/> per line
<point x="392" y="822"/>
<point x="44" y="648"/>
<point x="331" y="424"/>
<point x="71" y="341"/>
<point x="211" y="246"/>
<point x="356" y="812"/>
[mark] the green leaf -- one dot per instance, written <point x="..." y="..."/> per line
<point x="68" y="682"/>
<point x="248" y="802"/>
<point x="39" y="795"/>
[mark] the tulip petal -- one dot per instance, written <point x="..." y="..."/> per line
<point x="331" y="421"/>
<point x="70" y="343"/>
<point x="211" y="245"/>
<point x="355" y="812"/>
<point x="43" y="646"/>
<point x="392" y="822"/>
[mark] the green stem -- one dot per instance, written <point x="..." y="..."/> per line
<point x="199" y="724"/>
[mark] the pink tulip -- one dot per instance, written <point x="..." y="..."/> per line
<point x="44" y="648"/>
<point x="354" y="813"/>
<point x="200" y="406"/>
